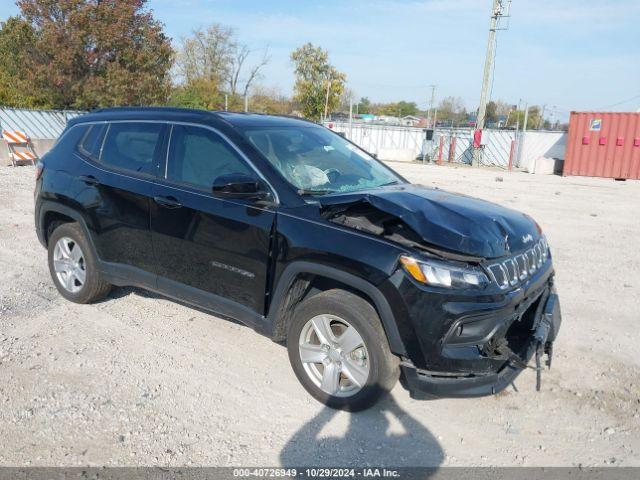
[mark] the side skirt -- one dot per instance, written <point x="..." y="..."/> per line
<point x="127" y="276"/>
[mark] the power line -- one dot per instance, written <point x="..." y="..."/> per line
<point x="620" y="103"/>
<point x="380" y="85"/>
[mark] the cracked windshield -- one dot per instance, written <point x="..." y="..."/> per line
<point x="317" y="161"/>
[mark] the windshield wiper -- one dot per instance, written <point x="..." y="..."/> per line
<point x="395" y="182"/>
<point x="304" y="191"/>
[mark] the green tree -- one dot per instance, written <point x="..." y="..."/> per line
<point x="491" y="113"/>
<point x="389" y="109"/>
<point x="452" y="110"/>
<point x="270" y="101"/>
<point x="534" y="117"/>
<point x="407" y="108"/>
<point x="364" y="106"/>
<point x="199" y="93"/>
<point x="206" y="55"/>
<point x="516" y="118"/>
<point x="318" y="83"/>
<point x="212" y="62"/>
<point x="15" y="91"/>
<point x="86" y="53"/>
<point x="397" y="109"/>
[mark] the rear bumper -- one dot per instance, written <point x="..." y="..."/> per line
<point x="425" y="384"/>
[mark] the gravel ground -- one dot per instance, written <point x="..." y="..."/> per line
<point x="140" y="380"/>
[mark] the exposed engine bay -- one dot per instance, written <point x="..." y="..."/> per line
<point x="434" y="220"/>
<point x="365" y="217"/>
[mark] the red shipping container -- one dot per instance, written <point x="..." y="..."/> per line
<point x="587" y="155"/>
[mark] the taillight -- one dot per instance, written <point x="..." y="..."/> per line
<point x="39" y="169"/>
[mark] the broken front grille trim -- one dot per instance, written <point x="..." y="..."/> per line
<point x="513" y="271"/>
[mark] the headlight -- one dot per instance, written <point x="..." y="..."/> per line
<point x="441" y="274"/>
<point x="546" y="251"/>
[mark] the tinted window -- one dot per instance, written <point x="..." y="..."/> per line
<point x="92" y="141"/>
<point x="198" y="156"/>
<point x="132" y="146"/>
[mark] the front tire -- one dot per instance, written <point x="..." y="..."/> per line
<point x="73" y="265"/>
<point x="339" y="351"/>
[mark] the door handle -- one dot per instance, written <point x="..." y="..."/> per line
<point x="167" y="202"/>
<point x="89" y="179"/>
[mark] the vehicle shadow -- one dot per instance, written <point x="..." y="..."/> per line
<point x="384" y="435"/>
<point x="121" y="292"/>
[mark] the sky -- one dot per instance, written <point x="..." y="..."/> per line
<point x="566" y="54"/>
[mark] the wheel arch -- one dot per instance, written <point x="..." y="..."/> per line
<point x="53" y="212"/>
<point x="293" y="287"/>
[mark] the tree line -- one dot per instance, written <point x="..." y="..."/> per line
<point x="86" y="54"/>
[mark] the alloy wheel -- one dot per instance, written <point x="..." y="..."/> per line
<point x="334" y="355"/>
<point x="69" y="264"/>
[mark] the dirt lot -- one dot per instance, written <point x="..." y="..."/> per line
<point x="141" y="380"/>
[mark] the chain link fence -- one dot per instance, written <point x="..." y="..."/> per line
<point x="452" y="145"/>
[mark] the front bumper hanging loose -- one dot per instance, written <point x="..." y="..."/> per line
<point x="548" y="324"/>
<point x="543" y="333"/>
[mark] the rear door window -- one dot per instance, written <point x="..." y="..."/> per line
<point x="133" y="146"/>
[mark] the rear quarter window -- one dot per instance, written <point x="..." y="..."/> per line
<point x="67" y="143"/>
<point x="91" y="142"/>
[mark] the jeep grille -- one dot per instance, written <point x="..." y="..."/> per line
<point x="515" y="270"/>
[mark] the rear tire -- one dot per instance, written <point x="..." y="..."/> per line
<point x="359" y="366"/>
<point x="73" y="266"/>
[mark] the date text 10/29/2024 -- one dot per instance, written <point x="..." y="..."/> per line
<point x="316" y="472"/>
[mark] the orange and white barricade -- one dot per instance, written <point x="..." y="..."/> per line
<point x="20" y="148"/>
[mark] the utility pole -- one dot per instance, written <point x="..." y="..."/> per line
<point x="541" y="119"/>
<point x="518" y="119"/>
<point x="526" y="118"/>
<point x="246" y="102"/>
<point x="226" y="102"/>
<point x="433" y="97"/>
<point x="326" y="102"/>
<point x="552" y="125"/>
<point x="497" y="12"/>
<point x="523" y="135"/>
<point x="350" y="117"/>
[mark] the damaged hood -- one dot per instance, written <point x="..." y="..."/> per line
<point x="452" y="222"/>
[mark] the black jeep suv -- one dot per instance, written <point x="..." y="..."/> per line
<point x="293" y="230"/>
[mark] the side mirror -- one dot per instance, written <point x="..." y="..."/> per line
<point x="240" y="186"/>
